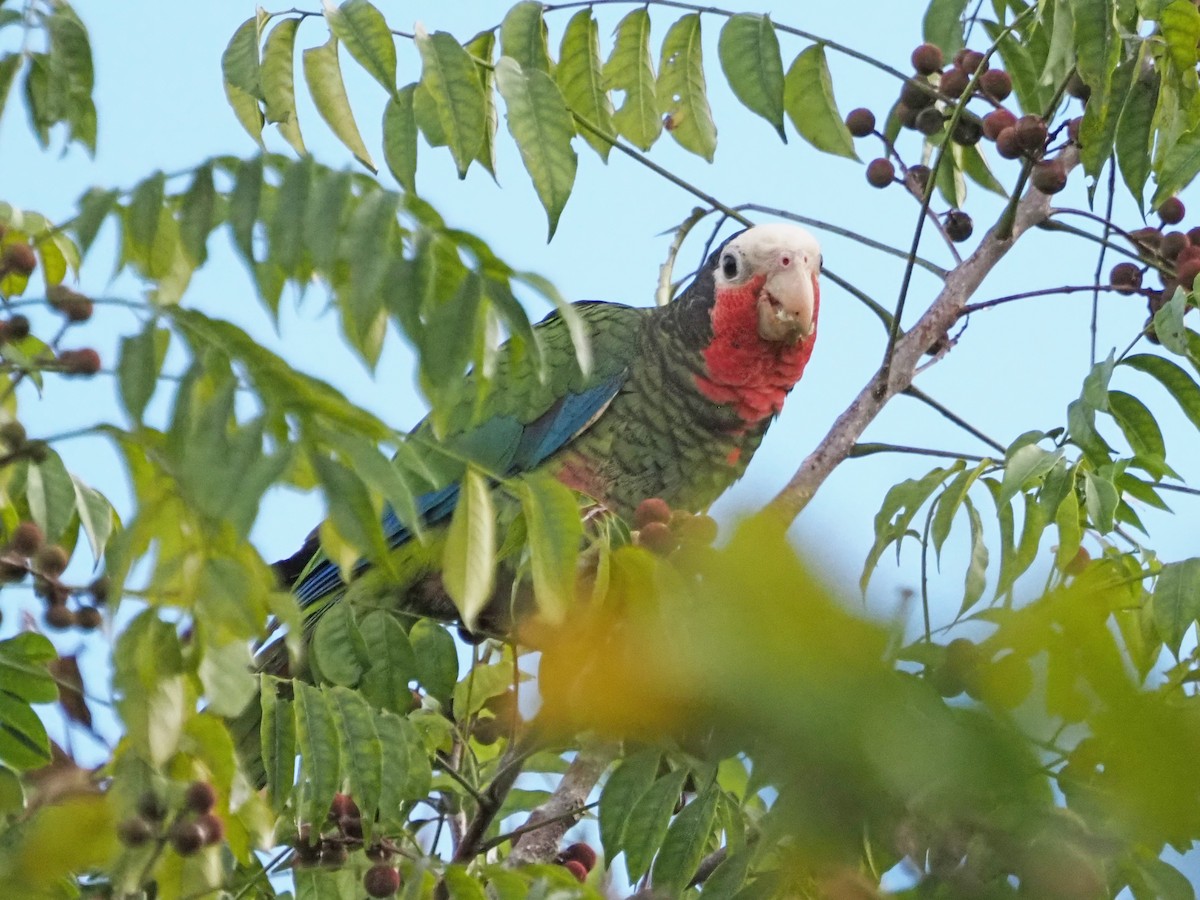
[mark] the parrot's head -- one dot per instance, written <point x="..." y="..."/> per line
<point x="754" y="309"/>
<point x="778" y="267"/>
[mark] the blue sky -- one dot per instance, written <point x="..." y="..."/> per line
<point x="161" y="106"/>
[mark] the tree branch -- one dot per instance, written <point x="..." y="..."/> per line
<point x="555" y="816"/>
<point x="898" y="373"/>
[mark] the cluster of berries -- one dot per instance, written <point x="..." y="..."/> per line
<point x="1174" y="255"/>
<point x="662" y="530"/>
<point x="27" y="552"/>
<point x="928" y="102"/>
<point x="195" y="826"/>
<point x="19" y="258"/>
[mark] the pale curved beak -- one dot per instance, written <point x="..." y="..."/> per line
<point x="787" y="304"/>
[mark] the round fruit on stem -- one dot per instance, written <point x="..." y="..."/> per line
<point x="927" y="59"/>
<point x="1126" y="277"/>
<point x="860" y="122"/>
<point x="880" y="172"/>
<point x="1171" y="211"/>
<point x="958" y="225"/>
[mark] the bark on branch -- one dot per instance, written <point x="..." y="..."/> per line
<point x="541" y="844"/>
<point x="960" y="284"/>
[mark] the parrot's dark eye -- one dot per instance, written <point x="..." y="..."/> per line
<point x="729" y="265"/>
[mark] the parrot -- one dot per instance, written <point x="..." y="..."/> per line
<point x="674" y="405"/>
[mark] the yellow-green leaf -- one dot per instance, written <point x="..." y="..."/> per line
<point x="365" y="33"/>
<point x="630" y="68"/>
<point x="555" y="531"/>
<point x="749" y="51"/>
<point x="541" y="125"/>
<point x="580" y="78"/>
<point x="242" y="77"/>
<point x="681" y="91"/>
<point x="323" y="73"/>
<point x="523" y="37"/>
<point x="808" y="99"/>
<point x="278" y="82"/>
<point x="469" y="560"/>
<point x="448" y="75"/>
<point x="400" y="138"/>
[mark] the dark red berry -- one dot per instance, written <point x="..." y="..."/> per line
<point x="996" y="83"/>
<point x="916" y="95"/>
<point x="213" y="827"/>
<point x="958" y="225"/>
<point x="85" y="361"/>
<point x="652" y="509"/>
<point x="342" y="806"/>
<point x="200" y="797"/>
<point x="378" y="853"/>
<point x="577" y="869"/>
<point x="1147" y="239"/>
<point x="1173" y="243"/>
<point x="953" y="82"/>
<point x="11" y="571"/>
<point x="381" y="881"/>
<point x="18" y="327"/>
<point x="186" y="837"/>
<point x="860" y="122"/>
<point x="907" y="116"/>
<point x="970" y="61"/>
<point x="333" y="854"/>
<point x="72" y="304"/>
<point x="927" y="59"/>
<point x="58" y="616"/>
<point x="657" y="537"/>
<point x="582" y="854"/>
<point x="1171" y="211"/>
<point x="19" y="258"/>
<point x="1031" y="133"/>
<point x="26" y="539"/>
<point x="50" y="560"/>
<point x="134" y="832"/>
<point x="996" y="121"/>
<point x="967" y="131"/>
<point x="88" y="618"/>
<point x="99" y="589"/>
<point x="1049" y="176"/>
<point x="930" y="121"/>
<point x="351" y="827"/>
<point x="1125" y="277"/>
<point x="880" y="172"/>
<point x="1186" y="271"/>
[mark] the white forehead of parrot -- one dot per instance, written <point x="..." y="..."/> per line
<point x="764" y="247"/>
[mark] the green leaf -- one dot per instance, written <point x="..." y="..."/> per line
<point x="285" y="230"/>
<point x="625" y="786"/>
<point x="96" y="516"/>
<point x="749" y="51"/>
<point x="469" y="560"/>
<point x="976" y="168"/>
<point x="1174" y="378"/>
<point x="555" y="532"/>
<point x="50" y="493"/>
<point x="277" y="735"/>
<point x="523" y="37"/>
<point x="685" y="843"/>
<point x="976" y="577"/>
<point x="648" y="822"/>
<point x="244" y="206"/>
<point x="950" y="501"/>
<point x="393" y="663"/>
<point x="900" y="504"/>
<point x="1025" y="466"/>
<point x="320" y="756"/>
<point x="9" y="64"/>
<point x="1179" y="22"/>
<point x="681" y="92"/>
<point x="1070" y="534"/>
<point x="483" y="47"/>
<point x="448" y="75"/>
<point x="400" y="138"/>
<point x="1019" y="63"/>
<point x="279" y="82"/>
<point x="23" y="673"/>
<point x="197" y="215"/>
<point x="339" y="647"/>
<point x="808" y="99"/>
<point x="1141" y="431"/>
<point x="227" y="676"/>
<point x="361" y="751"/>
<point x="1135" y="132"/>
<point x="1101" y="498"/>
<point x="94" y="208"/>
<point x="406" y="771"/>
<point x="479" y="686"/>
<point x="1082" y="429"/>
<point x="241" y="72"/>
<point x="943" y="24"/>
<point x="437" y="658"/>
<point x="365" y="33"/>
<point x="541" y="124"/>
<point x="323" y="74"/>
<point x="352" y="516"/>
<point x="24" y="743"/>
<point x="139" y="366"/>
<point x="1168" y="323"/>
<point x="1178" y="167"/>
<point x="145" y="208"/>
<point x="1098" y="49"/>
<point x="1177" y="601"/>
<point x="580" y="77"/>
<point x="630" y="68"/>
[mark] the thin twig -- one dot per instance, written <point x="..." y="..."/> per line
<point x="1108" y="225"/>
<point x="499" y="839"/>
<point x="860" y="450"/>
<point x="1041" y="292"/>
<point x="917" y="394"/>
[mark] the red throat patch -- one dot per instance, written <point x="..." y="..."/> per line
<point x="749" y="373"/>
